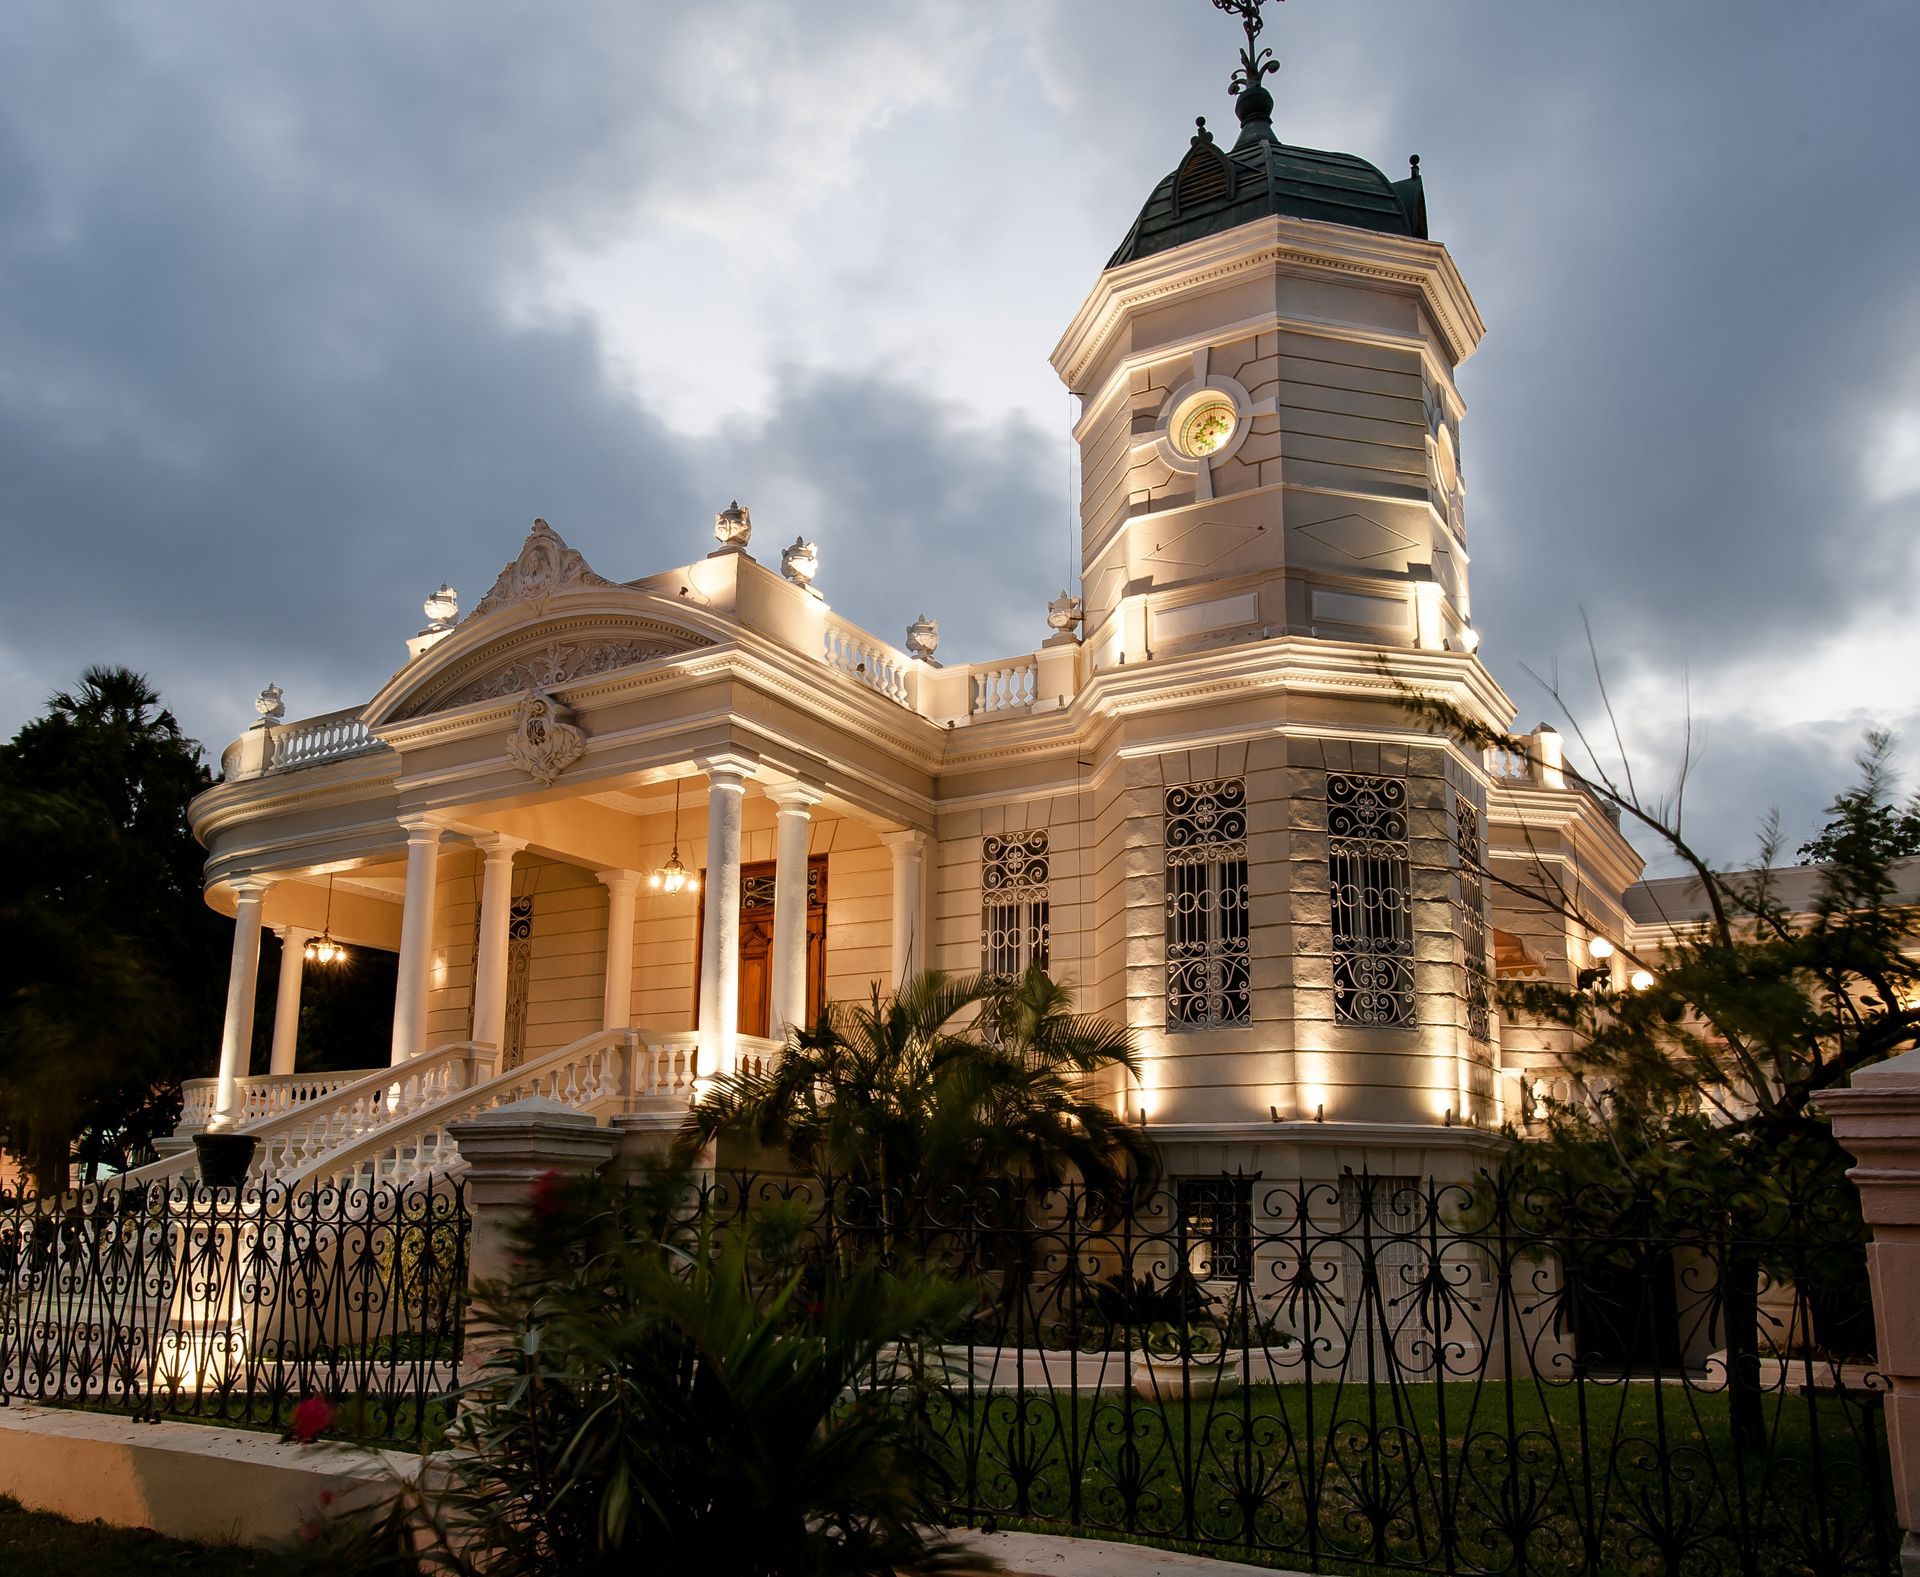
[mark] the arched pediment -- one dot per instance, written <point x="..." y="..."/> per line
<point x="558" y="647"/>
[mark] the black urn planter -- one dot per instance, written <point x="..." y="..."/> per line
<point x="224" y="1157"/>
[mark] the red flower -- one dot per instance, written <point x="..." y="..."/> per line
<point x="549" y="1195"/>
<point x="311" y="1418"/>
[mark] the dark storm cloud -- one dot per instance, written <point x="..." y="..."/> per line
<point x="263" y="381"/>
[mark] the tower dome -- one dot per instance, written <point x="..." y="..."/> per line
<point x="1215" y="188"/>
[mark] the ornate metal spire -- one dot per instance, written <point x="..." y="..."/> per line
<point x="1254" y="104"/>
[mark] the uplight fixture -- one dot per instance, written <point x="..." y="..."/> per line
<point x="673" y="877"/>
<point x="322" y="949"/>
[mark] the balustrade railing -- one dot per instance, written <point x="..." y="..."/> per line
<point x="850" y="650"/>
<point x="297" y="1135"/>
<point x="998" y="687"/>
<point x="316" y="739"/>
<point x="1510" y="765"/>
<point x="591" y="1072"/>
<point x="264" y="1095"/>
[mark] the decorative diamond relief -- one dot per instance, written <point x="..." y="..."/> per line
<point x="1357" y="536"/>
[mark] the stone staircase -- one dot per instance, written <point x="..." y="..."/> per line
<point x="388" y="1127"/>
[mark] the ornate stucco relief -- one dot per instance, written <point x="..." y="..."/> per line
<point x="544" y="742"/>
<point x="545" y="565"/>
<point x="560" y="663"/>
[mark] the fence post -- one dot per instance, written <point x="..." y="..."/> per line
<point x="1878" y="1122"/>
<point x="507" y="1150"/>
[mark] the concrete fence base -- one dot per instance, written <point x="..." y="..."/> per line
<point x="188" y="1481"/>
<point x="237" y="1486"/>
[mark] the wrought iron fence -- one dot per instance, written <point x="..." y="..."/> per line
<point x="1384" y="1372"/>
<point x="180" y="1301"/>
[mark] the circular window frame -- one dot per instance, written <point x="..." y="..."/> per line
<point x="1179" y="408"/>
<point x="1192" y="407"/>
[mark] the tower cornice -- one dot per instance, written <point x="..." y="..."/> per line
<point x="1281" y="243"/>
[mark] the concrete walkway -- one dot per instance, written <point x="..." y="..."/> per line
<point x="1046" y="1555"/>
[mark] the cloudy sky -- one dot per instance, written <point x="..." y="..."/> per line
<point x="305" y="309"/>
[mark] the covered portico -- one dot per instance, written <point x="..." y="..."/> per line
<point x="496" y="815"/>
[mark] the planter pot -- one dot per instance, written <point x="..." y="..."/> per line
<point x="224" y="1158"/>
<point x="1208" y="1374"/>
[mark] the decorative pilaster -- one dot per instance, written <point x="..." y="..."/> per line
<point x="1878" y="1122"/>
<point x="243" y="977"/>
<point x="416" y="937"/>
<point x="720" y="937"/>
<point x="286" y="1001"/>
<point x="787" y="992"/>
<point x="616" y="1007"/>
<point x="490" y="957"/>
<point x="910" y="951"/>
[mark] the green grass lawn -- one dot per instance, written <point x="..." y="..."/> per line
<point x="1595" y="1477"/>
<point x="33" y="1542"/>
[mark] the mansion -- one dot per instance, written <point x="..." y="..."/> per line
<point x="622" y="834"/>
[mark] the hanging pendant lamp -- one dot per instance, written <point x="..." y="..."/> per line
<point x="322" y="949"/>
<point x="673" y="877"/>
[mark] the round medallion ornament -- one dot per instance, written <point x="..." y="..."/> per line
<point x="1204" y="424"/>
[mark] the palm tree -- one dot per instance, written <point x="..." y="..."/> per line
<point x="953" y="1080"/>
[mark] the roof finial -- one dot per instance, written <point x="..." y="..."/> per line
<point x="1201" y="135"/>
<point x="1255" y="103"/>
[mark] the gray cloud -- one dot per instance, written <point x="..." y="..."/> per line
<point x="268" y="370"/>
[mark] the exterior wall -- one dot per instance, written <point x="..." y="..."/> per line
<point x="1065" y="814"/>
<point x="456" y="913"/>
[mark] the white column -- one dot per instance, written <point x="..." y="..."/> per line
<point x="910" y="950"/>
<point x="490" y="959"/>
<point x="243" y="977"/>
<point x="416" y="938"/>
<point x="286" y="1001"/>
<point x="720" y="938"/>
<point x="787" y="992"/>
<point x="616" y="1005"/>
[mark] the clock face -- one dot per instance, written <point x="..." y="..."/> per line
<point x="1204" y="425"/>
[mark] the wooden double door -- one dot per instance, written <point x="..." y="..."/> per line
<point x="756" y="944"/>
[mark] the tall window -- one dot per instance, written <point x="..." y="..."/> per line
<point x="1206" y="837"/>
<point x="1013" y="903"/>
<point x="1367" y="873"/>
<point x="1473" y="922"/>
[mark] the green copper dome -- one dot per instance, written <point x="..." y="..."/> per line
<point x="1215" y="189"/>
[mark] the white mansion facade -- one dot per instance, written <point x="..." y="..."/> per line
<point x="1201" y="800"/>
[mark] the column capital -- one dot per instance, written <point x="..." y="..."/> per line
<point x="251" y="889"/>
<point x="616" y="880"/>
<point x="728" y="769"/>
<point x="498" y="845"/>
<point x="288" y="933"/>
<point x="423" y="827"/>
<point x="905" y="840"/>
<point x="795" y="796"/>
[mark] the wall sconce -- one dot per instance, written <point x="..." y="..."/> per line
<point x="1641" y="980"/>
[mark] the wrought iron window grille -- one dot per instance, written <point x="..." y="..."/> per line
<point x="1209" y="981"/>
<point x="1369" y="880"/>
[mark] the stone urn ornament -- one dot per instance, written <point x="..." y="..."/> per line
<point x="442" y="608"/>
<point x="800" y="563"/>
<point x="923" y="638"/>
<point x="1063" y="613"/>
<point x="733" y="528"/>
<point x="271" y="704"/>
